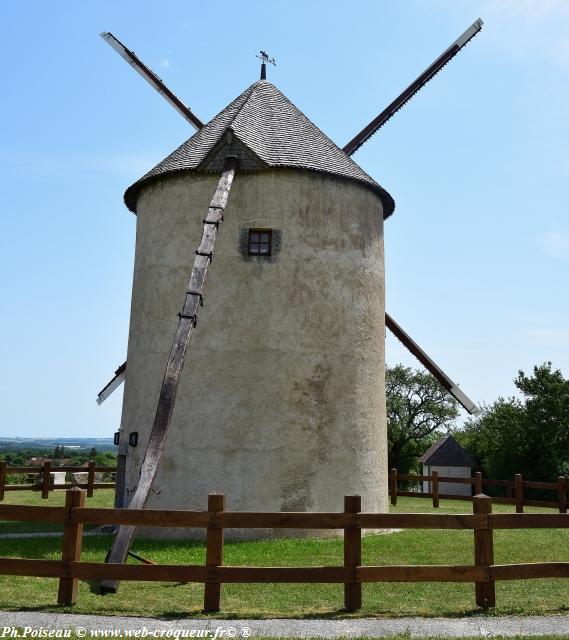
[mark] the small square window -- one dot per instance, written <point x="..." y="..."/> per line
<point x="260" y="242"/>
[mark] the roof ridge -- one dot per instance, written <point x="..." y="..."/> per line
<point x="249" y="89"/>
<point x="253" y="88"/>
<point x="327" y="138"/>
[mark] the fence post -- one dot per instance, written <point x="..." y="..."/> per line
<point x="393" y="487"/>
<point x="352" y="555"/>
<point x="435" y="488"/>
<point x="519" y="492"/>
<point x="478" y="483"/>
<point x="90" y="478"/>
<point x="2" y="478"/>
<point x="71" y="547"/>
<point x="214" y="552"/>
<point x="561" y="489"/>
<point x="46" y="479"/>
<point x="484" y="553"/>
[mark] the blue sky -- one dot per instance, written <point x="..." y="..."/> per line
<point x="477" y="252"/>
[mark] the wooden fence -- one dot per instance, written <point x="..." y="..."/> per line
<point x="483" y="573"/>
<point x="517" y="485"/>
<point x="46" y="483"/>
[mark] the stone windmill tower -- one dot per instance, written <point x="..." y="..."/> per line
<point x="281" y="405"/>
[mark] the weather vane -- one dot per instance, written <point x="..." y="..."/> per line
<point x="264" y="57"/>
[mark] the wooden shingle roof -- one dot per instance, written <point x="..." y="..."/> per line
<point x="446" y="452"/>
<point x="276" y="131"/>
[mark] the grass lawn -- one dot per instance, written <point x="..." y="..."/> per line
<point x="273" y="600"/>
<point x="102" y="498"/>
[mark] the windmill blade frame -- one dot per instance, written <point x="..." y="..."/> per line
<point x="113" y="384"/>
<point x="152" y="78"/>
<point x="368" y="131"/>
<point x="431" y="366"/>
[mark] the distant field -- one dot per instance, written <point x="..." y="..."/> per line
<point x="8" y="443"/>
<point x="404" y="547"/>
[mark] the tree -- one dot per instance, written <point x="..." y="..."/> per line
<point x="529" y="435"/>
<point x="490" y="439"/>
<point x="58" y="452"/>
<point x="418" y="410"/>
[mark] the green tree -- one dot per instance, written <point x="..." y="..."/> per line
<point x="528" y="435"/>
<point x="418" y="411"/>
<point x="58" y="452"/>
<point x="490" y="438"/>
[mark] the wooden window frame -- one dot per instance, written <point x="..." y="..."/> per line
<point x="250" y="252"/>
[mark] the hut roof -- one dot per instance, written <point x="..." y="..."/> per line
<point x="446" y="452"/>
<point x="278" y="134"/>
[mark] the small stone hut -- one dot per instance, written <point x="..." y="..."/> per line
<point x="448" y="458"/>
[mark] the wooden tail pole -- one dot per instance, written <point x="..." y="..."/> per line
<point x="186" y="324"/>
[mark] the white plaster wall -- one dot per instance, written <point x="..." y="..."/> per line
<point x="449" y="487"/>
<point x="281" y="404"/>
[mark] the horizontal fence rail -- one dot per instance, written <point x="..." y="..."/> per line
<point x="477" y="482"/>
<point x="44" y="479"/>
<point x="483" y="573"/>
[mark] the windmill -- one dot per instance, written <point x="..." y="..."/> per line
<point x="225" y="145"/>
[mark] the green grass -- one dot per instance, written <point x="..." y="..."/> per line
<point x="423" y="505"/>
<point x="101" y="498"/>
<point x="273" y="600"/>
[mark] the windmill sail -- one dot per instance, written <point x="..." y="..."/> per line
<point x="430" y="365"/>
<point x="113" y="384"/>
<point x="150" y="77"/>
<point x="365" y="134"/>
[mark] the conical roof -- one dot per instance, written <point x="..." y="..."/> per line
<point x="277" y="133"/>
